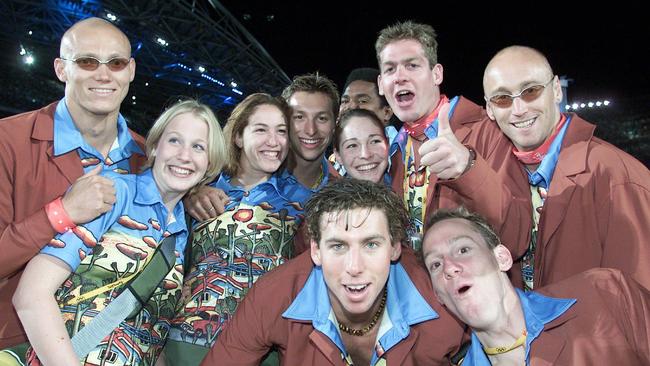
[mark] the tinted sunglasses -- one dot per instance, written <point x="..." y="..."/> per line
<point x="527" y="95"/>
<point x="90" y="63"/>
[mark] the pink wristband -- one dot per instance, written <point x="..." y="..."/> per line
<point x="59" y="219"/>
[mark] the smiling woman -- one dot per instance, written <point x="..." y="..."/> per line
<point x="254" y="234"/>
<point x="360" y="145"/>
<point x="89" y="265"/>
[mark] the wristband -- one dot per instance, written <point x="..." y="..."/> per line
<point x="59" y="219"/>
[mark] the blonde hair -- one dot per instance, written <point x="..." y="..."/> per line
<point x="422" y="33"/>
<point x="217" y="153"/>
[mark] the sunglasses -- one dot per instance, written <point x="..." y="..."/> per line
<point x="90" y="63"/>
<point x="527" y="95"/>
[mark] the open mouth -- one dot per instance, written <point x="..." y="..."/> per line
<point x="463" y="290"/>
<point x="404" y="96"/>
<point x="271" y="154"/>
<point x="356" y="288"/>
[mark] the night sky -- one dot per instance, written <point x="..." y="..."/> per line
<point x="606" y="54"/>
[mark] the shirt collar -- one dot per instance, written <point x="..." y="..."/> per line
<point x="404" y="306"/>
<point x="538" y="309"/>
<point x="326" y="174"/>
<point x="544" y="173"/>
<point x="145" y="195"/>
<point x="67" y="137"/>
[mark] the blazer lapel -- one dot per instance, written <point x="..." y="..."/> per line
<point x="550" y="345"/>
<point x="326" y="347"/>
<point x="397" y="354"/>
<point x="69" y="164"/>
<point x="571" y="162"/>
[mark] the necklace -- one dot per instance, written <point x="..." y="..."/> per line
<point x="491" y="351"/>
<point x="318" y="181"/>
<point x="366" y="329"/>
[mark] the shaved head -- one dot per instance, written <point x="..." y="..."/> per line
<point x="87" y="27"/>
<point x="94" y="94"/>
<point x="527" y="121"/>
<point x="522" y="56"/>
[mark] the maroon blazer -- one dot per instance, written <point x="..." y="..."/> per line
<point x="485" y="187"/>
<point x="258" y="325"/>
<point x="30" y="177"/>
<point x="608" y="325"/>
<point x="597" y="213"/>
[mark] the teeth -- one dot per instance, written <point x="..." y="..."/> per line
<point x="403" y="92"/>
<point x="367" y="167"/>
<point x="309" y="141"/>
<point x="180" y="171"/>
<point x="101" y="90"/>
<point x="271" y="154"/>
<point x="356" y="287"/>
<point x="524" y="124"/>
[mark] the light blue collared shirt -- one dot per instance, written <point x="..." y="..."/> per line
<point x="137" y="199"/>
<point x="68" y="138"/>
<point x="281" y="191"/>
<point x="404" y="307"/>
<point x="544" y="173"/>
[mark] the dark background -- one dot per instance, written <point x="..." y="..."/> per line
<point x="603" y="49"/>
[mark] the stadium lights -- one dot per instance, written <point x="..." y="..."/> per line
<point x="578" y="105"/>
<point x="27" y="56"/>
<point x="162" y="42"/>
<point x="201" y="69"/>
<point x="111" y="17"/>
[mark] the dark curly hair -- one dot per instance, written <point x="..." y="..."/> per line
<point x="347" y="194"/>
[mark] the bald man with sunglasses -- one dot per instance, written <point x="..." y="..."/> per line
<point x="50" y="159"/>
<point x="589" y="201"/>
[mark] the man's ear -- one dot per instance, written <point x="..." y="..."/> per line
<point x="131" y="69"/>
<point x="388" y="113"/>
<point x="503" y="256"/>
<point x="490" y="112"/>
<point x="315" y="252"/>
<point x="396" y="251"/>
<point x="557" y="90"/>
<point x="437" y="74"/>
<point x="59" y="70"/>
<point x="380" y="88"/>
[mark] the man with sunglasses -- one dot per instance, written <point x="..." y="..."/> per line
<point x="50" y="159"/>
<point x="589" y="201"/>
<point x="443" y="155"/>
